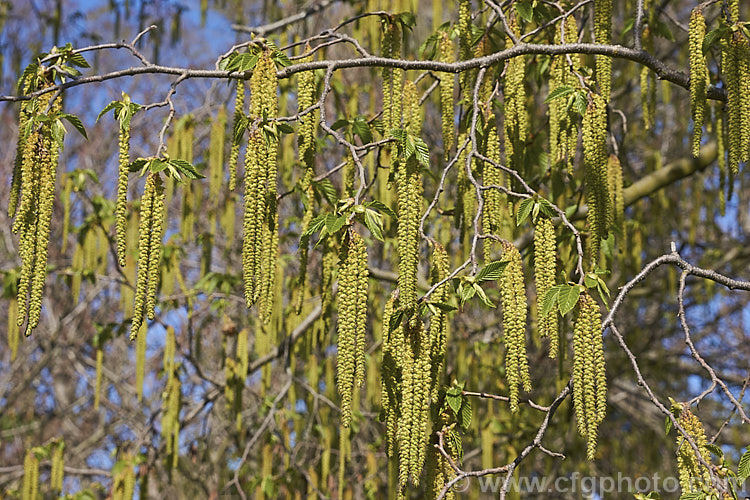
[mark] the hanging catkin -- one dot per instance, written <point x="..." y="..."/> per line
<point x="30" y="487"/>
<point x="393" y="78"/>
<point x="447" y="83"/>
<point x="690" y="469"/>
<point x="514" y="102"/>
<point x="595" y="160"/>
<point x="352" y="322"/>
<point x="698" y="75"/>
<point x="614" y="183"/>
<point x="57" y="465"/>
<point x="121" y="204"/>
<point x="306" y="150"/>
<point x="513" y="294"/>
<point x="545" y="270"/>
<point x="589" y="378"/>
<point x="260" y="224"/>
<point x="563" y="130"/>
<point x="239" y="113"/>
<point x="409" y="183"/>
<point x="603" y="35"/>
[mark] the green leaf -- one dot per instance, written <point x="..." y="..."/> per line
<point x="334" y="223"/>
<point x="580" y="103"/>
<point x="492" y="271"/>
<point x="78" y="60"/>
<point x="524" y="210"/>
<point x="112" y="105"/>
<point x="482" y="296"/>
<point x="550" y="299"/>
<point x="559" y="92"/>
<point x="240" y="125"/>
<point x="327" y="190"/>
<point x="712" y="36"/>
<point x="743" y="469"/>
<point x="591" y="280"/>
<point x="77" y="124"/>
<point x="715" y="450"/>
<point x="466" y="293"/>
<point x="454" y="402"/>
<point x="568" y="297"/>
<point x="667" y="426"/>
<point x="284" y="128"/>
<point x="374" y="224"/>
<point x="464" y="415"/>
<point x="379" y="205"/>
<point x="186" y="169"/>
<point x="443" y="306"/>
<point x="341" y="122"/>
<point x="361" y="128"/>
<point x="138" y="164"/>
<point x="697" y="495"/>
<point x="396" y="319"/>
<point x="525" y="10"/>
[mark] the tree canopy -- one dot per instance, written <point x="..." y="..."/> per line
<point x="374" y="248"/>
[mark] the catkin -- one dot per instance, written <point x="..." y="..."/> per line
<point x="447" y="83"/>
<point x="98" y="381"/>
<point x="698" y="75"/>
<point x="56" y="472"/>
<point x="595" y="160"/>
<point x="516" y="121"/>
<point x="409" y="185"/>
<point x="690" y="469"/>
<point x="30" y="486"/>
<point x="438" y="332"/>
<point x="234" y="152"/>
<point x="260" y="223"/>
<point x="306" y="150"/>
<point x="392" y="78"/>
<point x="121" y="205"/>
<point x="513" y="295"/>
<point x="13" y="331"/>
<point x="614" y="182"/>
<point x="603" y="35"/>
<point x="545" y="270"/>
<point x="352" y="321"/>
<point x="589" y="377"/>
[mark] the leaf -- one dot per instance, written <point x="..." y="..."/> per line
<point x="483" y="296"/>
<point x="580" y="103"/>
<point x="186" y="169"/>
<point x="315" y="225"/>
<point x="524" y="210"/>
<point x="559" y="92"/>
<point x="550" y="299"/>
<point x="284" y="128"/>
<point x="334" y="223"/>
<point x="240" y="125"/>
<point x="667" y="426"/>
<point x="715" y="450"/>
<point x="591" y="280"/>
<point x="396" y="319"/>
<point x="422" y="152"/>
<point x="379" y="205"/>
<point x="374" y="224"/>
<point x="525" y="10"/>
<point x="138" y="164"/>
<point x="78" y="60"/>
<point x="361" y="128"/>
<point x="327" y="190"/>
<point x="77" y="124"/>
<point x="464" y="415"/>
<point x="454" y="402"/>
<point x="443" y="306"/>
<point x="492" y="271"/>
<point x="712" y="36"/>
<point x="341" y="122"/>
<point x="112" y="105"/>
<point x="743" y="469"/>
<point x="466" y="293"/>
<point x="568" y="297"/>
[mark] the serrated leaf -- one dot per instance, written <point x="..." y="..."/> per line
<point x="77" y="124"/>
<point x="422" y="152"/>
<point x="464" y="415"/>
<point x="667" y="426"/>
<point x="284" y="128"/>
<point x="334" y="223"/>
<point x="483" y="296"/>
<point x="374" y="224"/>
<point x="560" y="92"/>
<point x="567" y="298"/>
<point x="712" y="36"/>
<point x="524" y="210"/>
<point x="590" y="281"/>
<point x="580" y="103"/>
<point x="341" y="122"/>
<point x="550" y="299"/>
<point x="379" y="205"/>
<point x="466" y="293"/>
<point x="396" y="319"/>
<point x="186" y="169"/>
<point x="492" y="271"/>
<point x="240" y="125"/>
<point x="361" y="128"/>
<point x="443" y="306"/>
<point x="525" y="10"/>
<point x="112" y="105"/>
<point x="715" y="450"/>
<point x="328" y="191"/>
<point x="454" y="402"/>
<point x="743" y="468"/>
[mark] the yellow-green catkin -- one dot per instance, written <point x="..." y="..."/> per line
<point x="438" y="469"/>
<point x="56" y="472"/>
<point x="698" y="75"/>
<point x="14" y="333"/>
<point x="615" y="187"/>
<point x="306" y="152"/>
<point x="513" y="294"/>
<point x="603" y="35"/>
<point x="464" y="45"/>
<point x="121" y="204"/>
<point x="216" y="160"/>
<point x="438" y="331"/>
<point x="123" y="484"/>
<point x="32" y="207"/>
<point x="495" y="215"/>
<point x="30" y="486"/>
<point x="140" y="359"/>
<point x="155" y="245"/>
<point x="65" y="200"/>
<point x="393" y="78"/>
<point x="514" y="102"/>
<point x="234" y="152"/>
<point x="447" y="84"/>
<point x="692" y="473"/>
<point x="741" y="47"/>
<point x="589" y="377"/>
<point x="595" y="159"/>
<point x="409" y="183"/>
<point x="352" y="321"/>
<point x="389" y="389"/>
<point x="98" y="380"/>
<point x="545" y="270"/>
<point x="563" y="129"/>
<point x="170" y="422"/>
<point x="648" y="85"/>
<point x="260" y="224"/>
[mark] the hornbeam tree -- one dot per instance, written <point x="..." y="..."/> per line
<point x="374" y="248"/>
